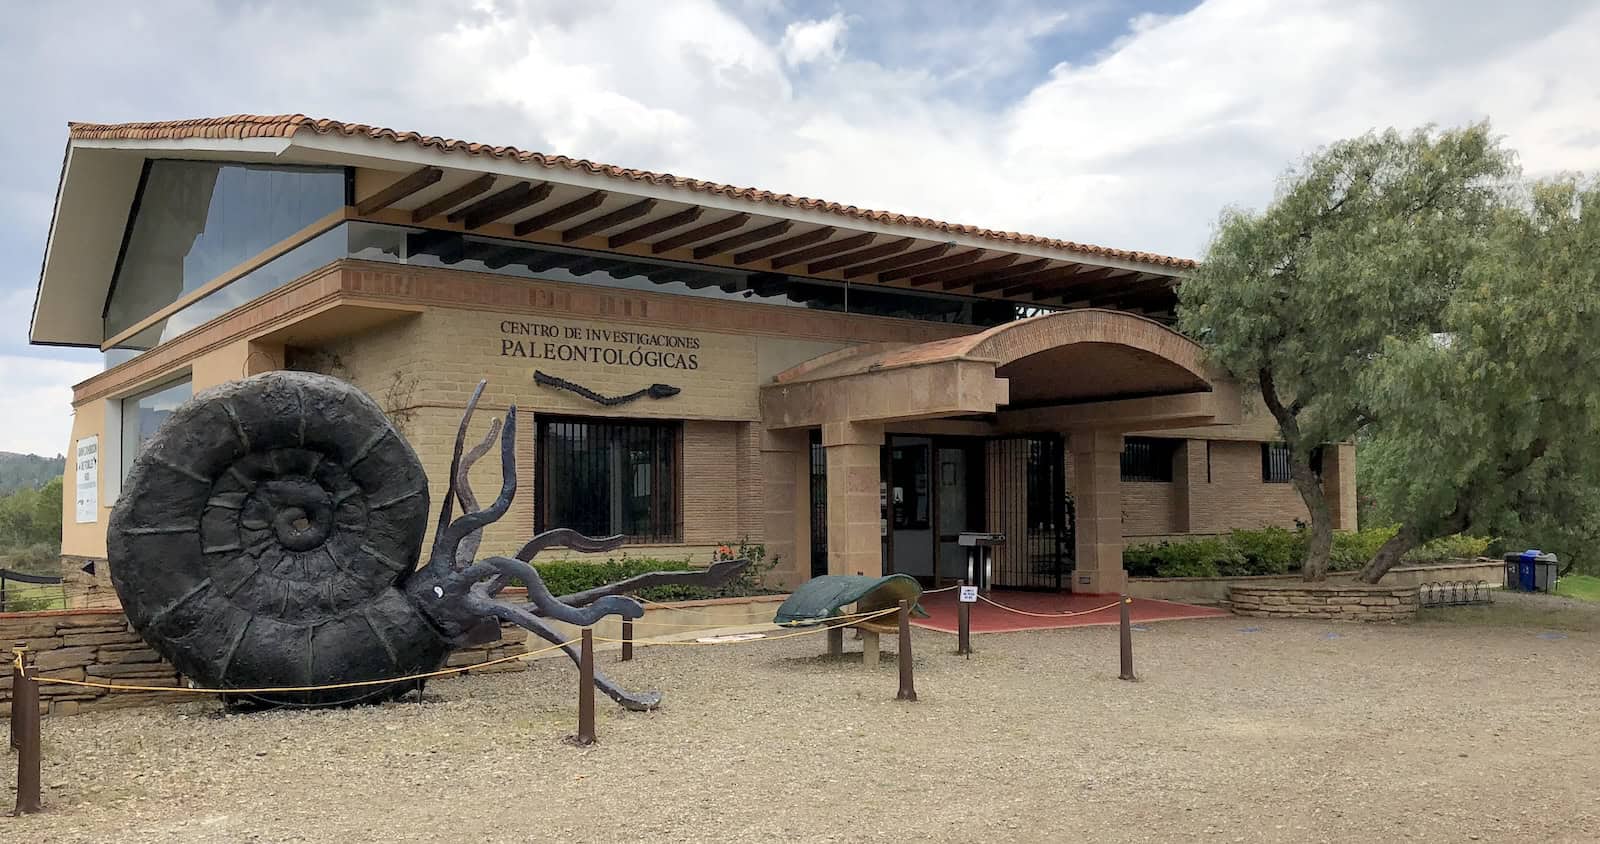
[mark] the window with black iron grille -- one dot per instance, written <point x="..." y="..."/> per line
<point x="1275" y="463"/>
<point x="603" y="478"/>
<point x="1148" y="459"/>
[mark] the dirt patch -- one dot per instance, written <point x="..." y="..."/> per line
<point x="1240" y="730"/>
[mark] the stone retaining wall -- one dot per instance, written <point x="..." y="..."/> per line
<point x="1336" y="602"/>
<point x="94" y="645"/>
<point x="1215" y="589"/>
<point x="99" y="646"/>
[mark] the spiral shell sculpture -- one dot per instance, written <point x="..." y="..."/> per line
<point x="269" y="534"/>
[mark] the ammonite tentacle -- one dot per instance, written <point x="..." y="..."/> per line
<point x="636" y="701"/>
<point x="262" y="532"/>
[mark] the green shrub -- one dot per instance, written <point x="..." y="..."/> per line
<point x="1352" y="549"/>
<point x="1272" y="550"/>
<point x="1447" y="548"/>
<point x="1203" y="557"/>
<point x="567" y="576"/>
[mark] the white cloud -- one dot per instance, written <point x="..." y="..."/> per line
<point x="813" y="40"/>
<point x="38" y="395"/>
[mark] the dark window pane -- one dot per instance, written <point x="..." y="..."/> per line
<point x="1148" y="459"/>
<point x="1275" y="463"/>
<point x="603" y="478"/>
<point x="198" y="219"/>
<point x="142" y="414"/>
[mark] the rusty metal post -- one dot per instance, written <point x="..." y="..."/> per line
<point x="25" y="726"/>
<point x="963" y="626"/>
<point x="627" y="640"/>
<point x="1127" y="639"/>
<point x="908" y="688"/>
<point x="585" y="736"/>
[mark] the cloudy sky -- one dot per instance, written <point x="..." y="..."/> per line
<point x="1128" y="124"/>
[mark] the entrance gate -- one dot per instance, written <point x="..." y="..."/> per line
<point x="1027" y="500"/>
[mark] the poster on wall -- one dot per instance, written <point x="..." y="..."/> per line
<point x="88" y="463"/>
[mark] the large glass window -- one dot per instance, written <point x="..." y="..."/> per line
<point x="604" y="478"/>
<point x="195" y="220"/>
<point x="143" y="413"/>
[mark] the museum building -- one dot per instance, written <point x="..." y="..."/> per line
<point x="693" y="363"/>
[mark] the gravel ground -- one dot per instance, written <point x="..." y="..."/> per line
<point x="1238" y="730"/>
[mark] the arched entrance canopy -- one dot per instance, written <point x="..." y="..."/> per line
<point x="1080" y="368"/>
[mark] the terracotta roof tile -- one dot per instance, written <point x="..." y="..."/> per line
<point x="287" y="125"/>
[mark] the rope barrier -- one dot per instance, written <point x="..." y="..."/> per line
<point x="763" y="638"/>
<point x="986" y="600"/>
<point x="443" y="672"/>
<point x="702" y="626"/>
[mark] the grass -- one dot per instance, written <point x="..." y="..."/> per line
<point x="1584" y="587"/>
<point x="33" y="597"/>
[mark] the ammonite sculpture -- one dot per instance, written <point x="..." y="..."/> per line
<point x="268" y="536"/>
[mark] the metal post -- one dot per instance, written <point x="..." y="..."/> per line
<point x="836" y="641"/>
<point x="908" y="688"/>
<point x="627" y="639"/>
<point x="585" y="736"/>
<point x="963" y="626"/>
<point x="25" y="727"/>
<point x="1127" y="639"/>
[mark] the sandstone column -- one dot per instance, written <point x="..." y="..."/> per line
<point x="855" y="539"/>
<point x="1097" y="492"/>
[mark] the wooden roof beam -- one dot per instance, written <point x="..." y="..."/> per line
<point x="500" y="204"/>
<point x="957" y="275"/>
<point x="399" y="189"/>
<point x="709" y="230"/>
<point x="741" y="240"/>
<point x="655" y="227"/>
<point x="1002" y="279"/>
<point x="1053" y="278"/>
<point x="582" y="205"/>
<point x="862" y="256"/>
<point x="451" y="199"/>
<point x="780" y="247"/>
<point x="960" y="259"/>
<point x="832" y="247"/>
<point x="905" y="260"/>
<point x="605" y="222"/>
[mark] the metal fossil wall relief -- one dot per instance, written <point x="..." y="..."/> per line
<point x="655" y="391"/>
<point x="269" y="535"/>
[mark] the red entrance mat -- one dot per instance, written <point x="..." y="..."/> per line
<point x="1091" y="609"/>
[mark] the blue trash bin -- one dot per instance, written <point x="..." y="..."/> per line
<point x="1526" y="580"/>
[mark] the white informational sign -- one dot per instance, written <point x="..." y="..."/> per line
<point x="969" y="594"/>
<point x="88" y="483"/>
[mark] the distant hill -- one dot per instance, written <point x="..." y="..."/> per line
<point x="28" y="470"/>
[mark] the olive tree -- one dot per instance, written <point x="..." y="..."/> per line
<point x="1490" y="421"/>
<point x="1363" y="241"/>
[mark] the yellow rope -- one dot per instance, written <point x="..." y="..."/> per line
<point x="283" y="689"/>
<point x="762" y="637"/>
<point x="1054" y="614"/>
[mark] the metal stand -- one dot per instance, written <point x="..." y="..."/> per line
<point x="627" y="639"/>
<point x="963" y="627"/>
<point x="1127" y="639"/>
<point x="25" y="732"/>
<point x="585" y="736"/>
<point x="908" y="687"/>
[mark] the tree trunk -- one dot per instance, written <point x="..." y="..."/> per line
<point x="1306" y="482"/>
<point x="1406" y="538"/>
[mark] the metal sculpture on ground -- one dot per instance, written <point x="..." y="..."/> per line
<point x="269" y="534"/>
